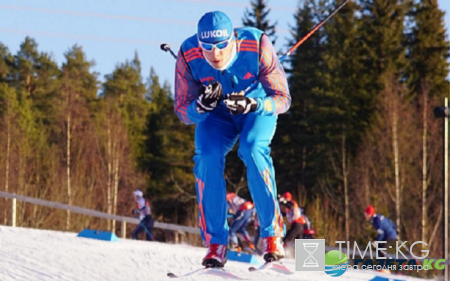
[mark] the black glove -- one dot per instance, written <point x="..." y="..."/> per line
<point x="208" y="97"/>
<point x="134" y="212"/>
<point x="237" y="103"/>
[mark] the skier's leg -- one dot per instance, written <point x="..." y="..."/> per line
<point x="256" y="133"/>
<point x="254" y="149"/>
<point x="257" y="236"/>
<point x="288" y="236"/>
<point x="136" y="231"/>
<point x="295" y="231"/>
<point x="149" y="227"/>
<point x="243" y="229"/>
<point x="214" y="138"/>
<point x="300" y="228"/>
<point x="235" y="226"/>
<point x="381" y="253"/>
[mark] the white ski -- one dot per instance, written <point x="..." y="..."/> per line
<point x="275" y="266"/>
<point x="208" y="271"/>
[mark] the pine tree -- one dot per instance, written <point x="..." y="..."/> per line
<point x="9" y="110"/>
<point x="26" y="64"/>
<point x="347" y="108"/>
<point x="126" y="84"/>
<point x="382" y="42"/>
<point x="382" y="39"/>
<point x="45" y="91"/>
<point x="6" y="64"/>
<point x="78" y="96"/>
<point x="126" y="109"/>
<point x="294" y="142"/>
<point x="257" y="17"/>
<point x="167" y="160"/>
<point x="428" y="49"/>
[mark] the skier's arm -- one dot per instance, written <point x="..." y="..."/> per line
<point x="290" y="205"/>
<point x="141" y="205"/>
<point x="273" y="79"/>
<point x="378" y="229"/>
<point x="186" y="93"/>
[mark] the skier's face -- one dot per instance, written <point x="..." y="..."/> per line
<point x="219" y="57"/>
<point x="368" y="217"/>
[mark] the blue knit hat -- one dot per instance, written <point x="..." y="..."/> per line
<point x="214" y="27"/>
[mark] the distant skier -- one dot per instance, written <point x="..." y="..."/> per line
<point x="143" y="212"/>
<point x="308" y="232"/>
<point x="292" y="211"/>
<point x="242" y="214"/>
<point x="257" y="226"/>
<point x="385" y="228"/>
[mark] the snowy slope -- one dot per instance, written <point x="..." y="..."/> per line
<point x="35" y="255"/>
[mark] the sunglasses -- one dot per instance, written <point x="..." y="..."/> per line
<point x="219" y="45"/>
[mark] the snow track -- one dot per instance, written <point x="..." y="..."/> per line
<point x="41" y="255"/>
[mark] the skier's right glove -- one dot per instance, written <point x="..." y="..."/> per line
<point x="208" y="97"/>
<point x="237" y="103"/>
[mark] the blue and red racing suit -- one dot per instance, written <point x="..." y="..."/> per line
<point x="217" y="131"/>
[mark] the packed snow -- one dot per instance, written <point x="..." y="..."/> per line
<point x="40" y="255"/>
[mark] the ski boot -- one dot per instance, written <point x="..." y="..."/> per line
<point x="235" y="248"/>
<point x="216" y="256"/>
<point x="273" y="249"/>
<point x="250" y="248"/>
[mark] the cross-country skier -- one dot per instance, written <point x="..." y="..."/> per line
<point x="257" y="232"/>
<point x="294" y="216"/>
<point x="242" y="212"/>
<point x="219" y="62"/>
<point x="385" y="228"/>
<point x="308" y="232"/>
<point x="143" y="212"/>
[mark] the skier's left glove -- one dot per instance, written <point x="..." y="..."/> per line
<point x="208" y="97"/>
<point x="237" y="103"/>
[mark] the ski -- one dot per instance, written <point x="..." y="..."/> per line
<point x="208" y="271"/>
<point x="275" y="266"/>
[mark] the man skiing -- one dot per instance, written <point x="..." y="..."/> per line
<point x="385" y="228"/>
<point x="294" y="216"/>
<point x="144" y="213"/>
<point x="217" y="63"/>
<point x="308" y="232"/>
<point x="242" y="211"/>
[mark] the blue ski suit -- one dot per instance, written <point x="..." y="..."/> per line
<point x="386" y="230"/>
<point x="217" y="131"/>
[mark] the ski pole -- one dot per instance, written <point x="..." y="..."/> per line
<point x="147" y="231"/>
<point x="166" y="47"/>
<point x="313" y="30"/>
<point x="253" y="85"/>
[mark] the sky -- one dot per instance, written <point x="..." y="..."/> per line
<point x="112" y="31"/>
